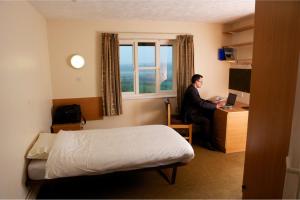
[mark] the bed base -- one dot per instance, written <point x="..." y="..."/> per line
<point x="168" y="172"/>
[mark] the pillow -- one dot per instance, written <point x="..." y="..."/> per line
<point x="42" y="146"/>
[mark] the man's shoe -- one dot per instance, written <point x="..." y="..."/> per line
<point x="209" y="146"/>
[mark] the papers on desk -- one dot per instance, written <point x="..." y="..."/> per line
<point x="217" y="99"/>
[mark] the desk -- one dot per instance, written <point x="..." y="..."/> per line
<point x="230" y="128"/>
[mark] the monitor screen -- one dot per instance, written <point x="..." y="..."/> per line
<point x="239" y="79"/>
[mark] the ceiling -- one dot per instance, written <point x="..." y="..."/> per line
<point x="211" y="11"/>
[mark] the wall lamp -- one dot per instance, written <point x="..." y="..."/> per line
<point x="77" y="61"/>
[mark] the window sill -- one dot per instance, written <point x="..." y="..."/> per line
<point x="147" y="96"/>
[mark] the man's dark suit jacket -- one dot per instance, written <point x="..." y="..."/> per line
<point x="194" y="105"/>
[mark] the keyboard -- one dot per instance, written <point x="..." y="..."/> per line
<point x="226" y="107"/>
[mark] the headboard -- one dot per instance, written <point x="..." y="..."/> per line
<point x="91" y="107"/>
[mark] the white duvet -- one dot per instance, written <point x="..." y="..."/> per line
<point x="100" y="151"/>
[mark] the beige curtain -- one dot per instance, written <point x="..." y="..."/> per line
<point x="185" y="60"/>
<point x="111" y="82"/>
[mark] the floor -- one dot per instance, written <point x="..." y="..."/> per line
<point x="210" y="174"/>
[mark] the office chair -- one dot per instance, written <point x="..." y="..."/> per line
<point x="175" y="122"/>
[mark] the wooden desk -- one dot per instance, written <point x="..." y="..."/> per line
<point x="230" y="128"/>
<point x="67" y="127"/>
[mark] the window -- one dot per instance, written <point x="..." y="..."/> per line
<point x="127" y="68"/>
<point x="147" y="68"/>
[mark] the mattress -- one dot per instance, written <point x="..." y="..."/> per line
<point x="36" y="169"/>
<point x="100" y="151"/>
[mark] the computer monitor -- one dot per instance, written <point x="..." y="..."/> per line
<point x="239" y="79"/>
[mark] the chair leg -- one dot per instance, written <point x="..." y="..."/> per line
<point x="190" y="133"/>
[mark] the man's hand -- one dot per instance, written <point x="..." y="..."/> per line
<point x="220" y="104"/>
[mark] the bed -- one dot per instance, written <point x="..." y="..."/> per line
<point x="101" y="151"/>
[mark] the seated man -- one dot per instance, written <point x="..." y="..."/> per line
<point x="196" y="110"/>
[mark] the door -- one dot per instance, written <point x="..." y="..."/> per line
<point x="273" y="85"/>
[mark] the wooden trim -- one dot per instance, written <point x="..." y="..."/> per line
<point x="190" y="133"/>
<point x="169" y="114"/>
<point x="91" y="107"/>
<point x="179" y="126"/>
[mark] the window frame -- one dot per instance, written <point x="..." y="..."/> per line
<point x="159" y="93"/>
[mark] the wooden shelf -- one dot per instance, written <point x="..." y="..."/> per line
<point x="236" y="46"/>
<point x="239" y="44"/>
<point x="247" y="61"/>
<point x="240" y="29"/>
<point x="230" y="61"/>
<point x="244" y="61"/>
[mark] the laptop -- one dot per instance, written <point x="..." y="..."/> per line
<point x="230" y="101"/>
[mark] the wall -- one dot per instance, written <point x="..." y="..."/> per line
<point x="25" y="86"/>
<point x="292" y="180"/>
<point x="243" y="52"/>
<point x="67" y="37"/>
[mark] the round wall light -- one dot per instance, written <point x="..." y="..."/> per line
<point x="77" y="61"/>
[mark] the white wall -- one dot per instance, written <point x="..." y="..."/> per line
<point x="291" y="180"/>
<point x="25" y="86"/>
<point x="67" y="37"/>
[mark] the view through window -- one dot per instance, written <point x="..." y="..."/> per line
<point x="127" y="68"/>
<point x="147" y="67"/>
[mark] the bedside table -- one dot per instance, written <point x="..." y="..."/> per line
<point x="67" y="127"/>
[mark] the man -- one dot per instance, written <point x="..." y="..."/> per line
<point x="196" y="110"/>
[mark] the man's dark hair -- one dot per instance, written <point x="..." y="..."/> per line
<point x="196" y="77"/>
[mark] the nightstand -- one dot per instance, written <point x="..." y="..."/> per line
<point x="67" y="127"/>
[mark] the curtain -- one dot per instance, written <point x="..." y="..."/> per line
<point x="111" y="84"/>
<point x="185" y="60"/>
